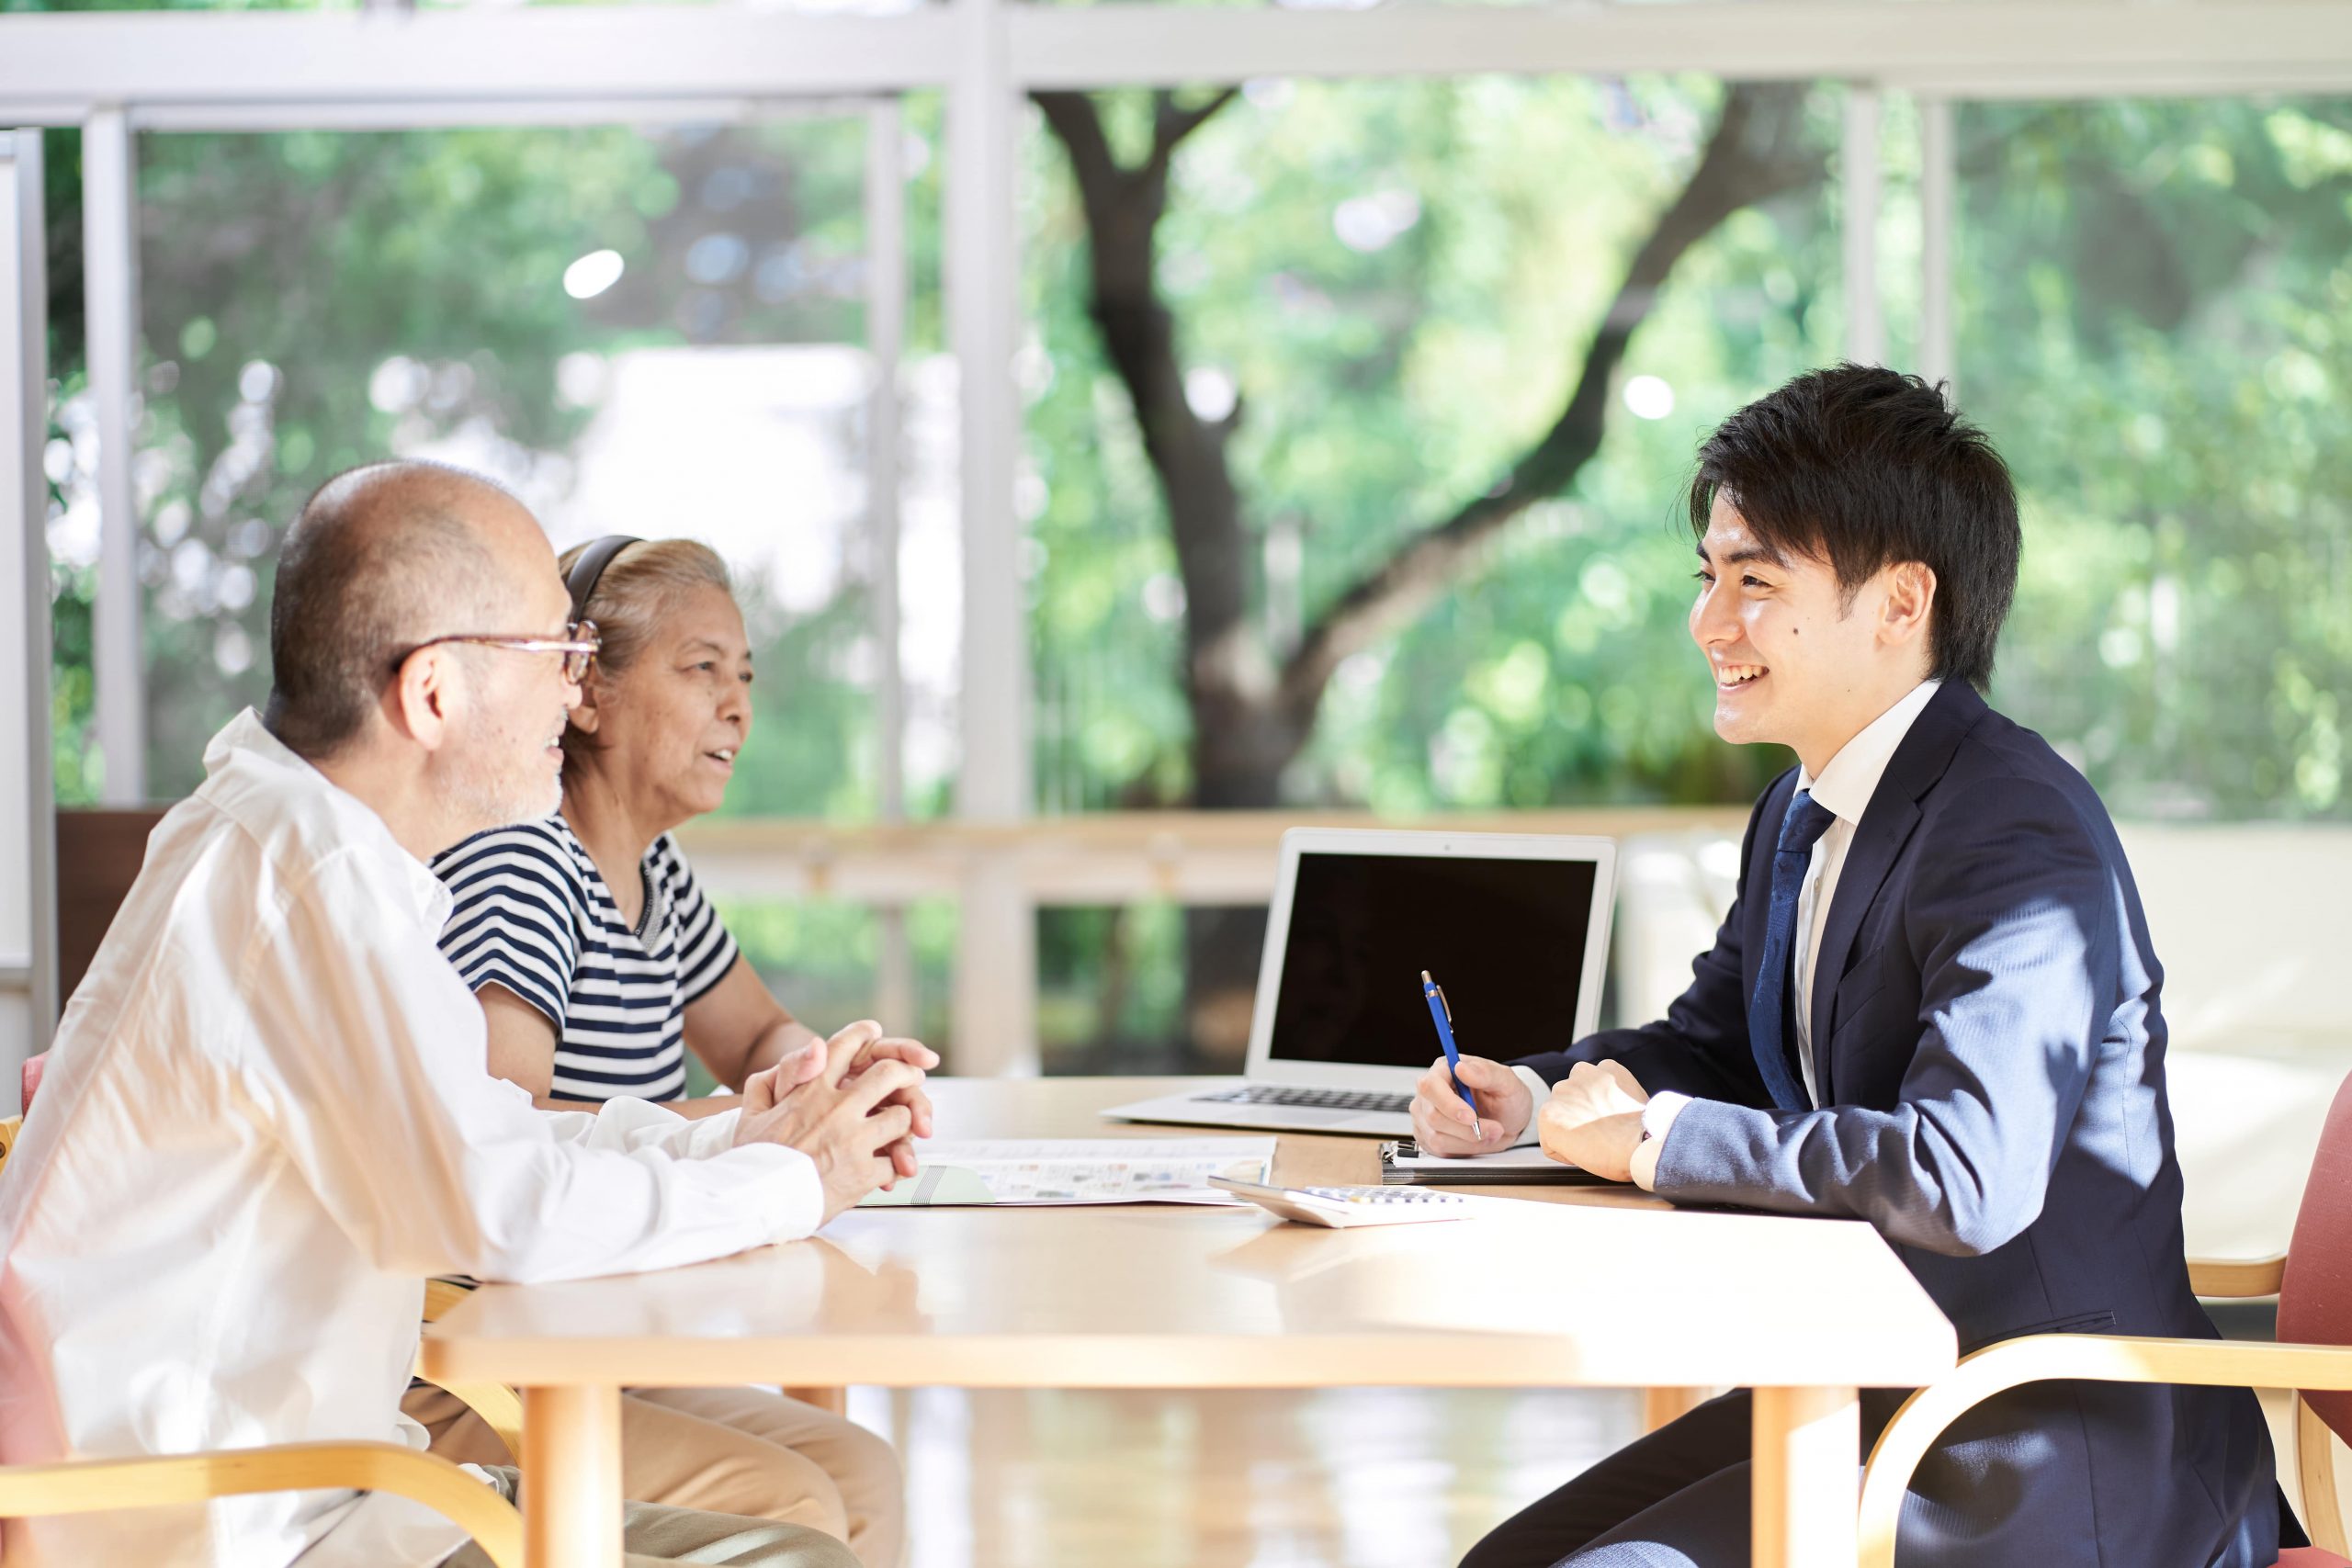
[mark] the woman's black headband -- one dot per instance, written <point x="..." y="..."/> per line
<point x="581" y="581"/>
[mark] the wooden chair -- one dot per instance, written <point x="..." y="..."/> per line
<point x="86" y="1486"/>
<point x="500" y="1407"/>
<point x="101" y="1485"/>
<point x="2313" y="1356"/>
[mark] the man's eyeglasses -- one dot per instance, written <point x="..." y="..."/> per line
<point x="578" y="645"/>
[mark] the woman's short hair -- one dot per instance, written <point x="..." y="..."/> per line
<point x="637" y="593"/>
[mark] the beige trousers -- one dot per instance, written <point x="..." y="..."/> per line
<point x="739" y="1451"/>
<point x="656" y="1537"/>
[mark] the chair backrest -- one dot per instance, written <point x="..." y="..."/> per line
<point x="2315" y="1291"/>
<point x="30" y="1081"/>
<point x="106" y="850"/>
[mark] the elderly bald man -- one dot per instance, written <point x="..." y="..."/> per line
<point x="266" y="1118"/>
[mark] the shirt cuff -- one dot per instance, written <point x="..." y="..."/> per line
<point x="712" y="1134"/>
<point x="1542" y="1091"/>
<point x="624" y="1122"/>
<point x="778" y="1185"/>
<point x="785" y="1195"/>
<point x="1657" y="1119"/>
<point x="790" y="1184"/>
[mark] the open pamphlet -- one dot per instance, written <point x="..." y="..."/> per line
<point x="1403" y="1164"/>
<point x="1077" y="1170"/>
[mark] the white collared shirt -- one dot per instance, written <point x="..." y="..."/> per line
<point x="1847" y="783"/>
<point x="1844" y="789"/>
<point x="267" y="1119"/>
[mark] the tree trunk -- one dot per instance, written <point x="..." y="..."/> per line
<point x="1253" y="708"/>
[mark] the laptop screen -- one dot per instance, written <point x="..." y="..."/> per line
<point x="1504" y="938"/>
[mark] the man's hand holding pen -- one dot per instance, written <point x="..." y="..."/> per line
<point x="1443" y="1126"/>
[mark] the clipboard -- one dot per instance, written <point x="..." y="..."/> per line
<point x="1402" y="1164"/>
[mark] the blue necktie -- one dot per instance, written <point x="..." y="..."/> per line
<point x="1767" y="1011"/>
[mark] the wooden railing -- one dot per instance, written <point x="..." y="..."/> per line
<point x="1194" y="857"/>
<point x="1000" y="873"/>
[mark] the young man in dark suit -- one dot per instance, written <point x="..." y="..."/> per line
<point x="1933" y="1007"/>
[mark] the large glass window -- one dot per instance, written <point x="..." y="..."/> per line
<point x="2152" y="305"/>
<point x="1284" y="334"/>
<point x="658" y="331"/>
<point x="1275" y="337"/>
<point x="652" y="332"/>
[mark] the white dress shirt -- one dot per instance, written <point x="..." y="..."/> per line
<point x="267" y="1119"/>
<point x="1844" y="789"/>
<point x="1847" y="783"/>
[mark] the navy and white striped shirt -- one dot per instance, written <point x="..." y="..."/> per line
<point x="532" y="913"/>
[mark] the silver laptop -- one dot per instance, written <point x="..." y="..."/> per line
<point x="1514" y="927"/>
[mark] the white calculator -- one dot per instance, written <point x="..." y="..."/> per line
<point x="1342" y="1206"/>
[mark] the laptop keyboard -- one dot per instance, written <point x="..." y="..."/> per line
<point x="1316" y="1098"/>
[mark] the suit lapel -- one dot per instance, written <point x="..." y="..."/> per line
<point x="1886" y="826"/>
<point x="1886" y="829"/>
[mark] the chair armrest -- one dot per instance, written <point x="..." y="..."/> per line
<point x="2236" y="1276"/>
<point x="84" y="1487"/>
<point x="2097" y="1357"/>
<point x="440" y="1295"/>
<point x="500" y="1407"/>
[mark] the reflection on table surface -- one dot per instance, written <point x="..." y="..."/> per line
<point x="1229" y="1297"/>
<point x="1356" y="1478"/>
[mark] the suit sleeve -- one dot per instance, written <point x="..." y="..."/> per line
<point x="1701" y="1048"/>
<point x="2017" y="932"/>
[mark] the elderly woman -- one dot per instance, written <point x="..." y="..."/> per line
<point x="599" y="964"/>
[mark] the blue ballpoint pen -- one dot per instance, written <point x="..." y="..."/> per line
<point x="1442" y="1016"/>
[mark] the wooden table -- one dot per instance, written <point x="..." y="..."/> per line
<point x="1586" y="1288"/>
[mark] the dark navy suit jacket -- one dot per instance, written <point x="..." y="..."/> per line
<point x="1991" y="1060"/>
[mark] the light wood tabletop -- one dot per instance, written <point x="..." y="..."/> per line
<point x="1591" y="1286"/>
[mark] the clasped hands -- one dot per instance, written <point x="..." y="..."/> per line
<point x="1592" y="1120"/>
<point x="854" y="1105"/>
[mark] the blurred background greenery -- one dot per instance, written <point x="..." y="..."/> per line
<point x="1381" y="296"/>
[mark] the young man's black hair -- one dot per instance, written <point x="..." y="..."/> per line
<point x="1863" y="467"/>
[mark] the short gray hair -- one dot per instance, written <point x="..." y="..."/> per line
<point x="381" y="559"/>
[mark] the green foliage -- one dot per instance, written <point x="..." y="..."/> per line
<point x="283" y="275"/>
<point x="820" y="958"/>
<point x="1386" y="381"/>
<point x="2155" y="305"/>
<point x="810" y="752"/>
<point x="320" y="258"/>
<point x="1111" y="988"/>
<point x="72" y="706"/>
<point x="2153" y="300"/>
<point x="1398" y="281"/>
<point x="278" y="273"/>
